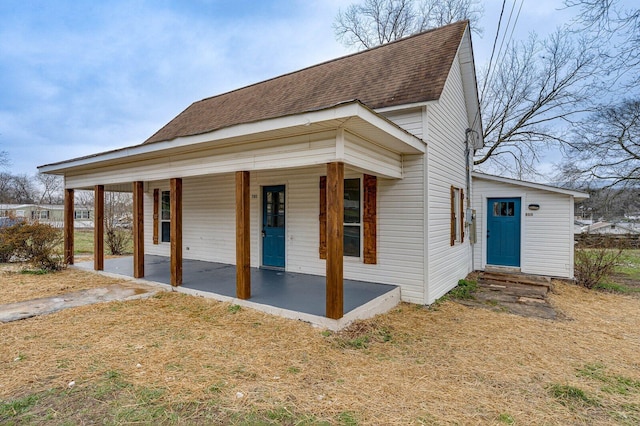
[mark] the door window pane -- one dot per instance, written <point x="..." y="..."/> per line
<point x="275" y="209"/>
<point x="503" y="208"/>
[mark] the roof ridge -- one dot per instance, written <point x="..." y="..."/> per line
<point x="404" y="71"/>
<point x="380" y="46"/>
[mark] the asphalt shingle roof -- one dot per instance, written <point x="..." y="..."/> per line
<point x="409" y="70"/>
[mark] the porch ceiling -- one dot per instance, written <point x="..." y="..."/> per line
<point x="284" y="142"/>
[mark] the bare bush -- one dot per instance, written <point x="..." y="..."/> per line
<point x="35" y="243"/>
<point x="118" y="222"/>
<point x="118" y="239"/>
<point x="594" y="265"/>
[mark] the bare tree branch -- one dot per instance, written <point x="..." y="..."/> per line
<point x="607" y="146"/>
<point x="538" y="89"/>
<point x="373" y="22"/>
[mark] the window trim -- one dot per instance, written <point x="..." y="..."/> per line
<point x="368" y="223"/>
<point x="162" y="220"/>
<point x="82" y="214"/>
<point x="359" y="224"/>
<point x="457" y="216"/>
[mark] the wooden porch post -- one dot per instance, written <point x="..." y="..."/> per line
<point x="335" y="243"/>
<point x="98" y="228"/>
<point x="243" y="240"/>
<point x="176" y="231"/>
<point x="138" y="229"/>
<point x="69" y="203"/>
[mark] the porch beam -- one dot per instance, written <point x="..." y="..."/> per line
<point x="98" y="228"/>
<point x="69" y="208"/>
<point x="138" y="229"/>
<point x="335" y="243"/>
<point x="243" y="240"/>
<point x="175" y="186"/>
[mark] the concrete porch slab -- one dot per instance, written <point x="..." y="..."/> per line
<point x="286" y="294"/>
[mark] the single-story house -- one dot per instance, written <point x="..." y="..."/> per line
<point x="358" y="168"/>
<point x="524" y="226"/>
<point x="52" y="214"/>
<point x="611" y="228"/>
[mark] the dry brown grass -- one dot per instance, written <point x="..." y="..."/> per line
<point x="16" y="286"/>
<point x="451" y="364"/>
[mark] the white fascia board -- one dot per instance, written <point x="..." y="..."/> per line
<point x="342" y="112"/>
<point x="405" y="106"/>
<point x="576" y="194"/>
<point x="470" y="88"/>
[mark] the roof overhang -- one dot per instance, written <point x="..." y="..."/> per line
<point x="577" y="195"/>
<point x="352" y="117"/>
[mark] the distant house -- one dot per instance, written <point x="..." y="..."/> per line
<point x="52" y="214"/>
<point x="610" y="228"/>
<point x="358" y="168"/>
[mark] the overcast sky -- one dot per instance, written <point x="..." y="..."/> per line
<point x="81" y="77"/>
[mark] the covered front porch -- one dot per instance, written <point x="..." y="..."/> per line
<point x="198" y="196"/>
<point x="288" y="294"/>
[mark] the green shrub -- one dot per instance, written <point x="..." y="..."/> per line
<point x="464" y="290"/>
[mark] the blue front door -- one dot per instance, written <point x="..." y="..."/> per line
<point x="273" y="221"/>
<point x="503" y="231"/>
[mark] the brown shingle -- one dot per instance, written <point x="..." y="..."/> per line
<point x="410" y="70"/>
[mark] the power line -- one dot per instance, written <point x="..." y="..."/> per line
<point x="498" y="59"/>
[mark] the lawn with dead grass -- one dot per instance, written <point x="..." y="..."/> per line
<point x="19" y="283"/>
<point x="178" y="359"/>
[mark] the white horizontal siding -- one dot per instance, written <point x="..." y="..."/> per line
<point x="209" y="224"/>
<point x="294" y="152"/>
<point x="409" y="119"/>
<point x="208" y="217"/>
<point x="367" y="156"/>
<point x="546" y="234"/>
<point x="447" y="122"/>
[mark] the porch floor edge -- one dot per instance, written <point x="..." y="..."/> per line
<point x="379" y="305"/>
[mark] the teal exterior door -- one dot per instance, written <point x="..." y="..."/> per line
<point x="273" y="226"/>
<point x="503" y="231"/>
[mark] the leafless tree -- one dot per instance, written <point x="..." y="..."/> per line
<point x="374" y="22"/>
<point x="436" y="13"/>
<point x="50" y="188"/>
<point x="21" y="189"/>
<point x="84" y="198"/>
<point x="118" y="215"/>
<point x="607" y="147"/>
<point x="535" y="93"/>
<point x="619" y="26"/>
<point x="4" y="159"/>
<point x="6" y="195"/>
<point x="532" y="93"/>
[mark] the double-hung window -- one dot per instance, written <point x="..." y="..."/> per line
<point x="40" y="214"/>
<point x="81" y="214"/>
<point x="165" y="217"/>
<point x="352" y="221"/>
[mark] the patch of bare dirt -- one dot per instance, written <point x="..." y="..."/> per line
<point x="17" y="286"/>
